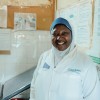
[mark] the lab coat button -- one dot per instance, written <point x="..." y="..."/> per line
<point x="54" y="66"/>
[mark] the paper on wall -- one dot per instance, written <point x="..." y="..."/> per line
<point x="80" y="16"/>
<point x="3" y="17"/>
<point x="24" y="21"/>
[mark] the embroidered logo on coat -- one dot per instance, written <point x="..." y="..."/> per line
<point x="46" y="66"/>
<point x="74" y="70"/>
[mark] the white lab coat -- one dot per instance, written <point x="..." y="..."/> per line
<point x="74" y="78"/>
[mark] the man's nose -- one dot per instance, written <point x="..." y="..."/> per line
<point x="58" y="37"/>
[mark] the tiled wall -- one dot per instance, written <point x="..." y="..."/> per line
<point x="26" y="47"/>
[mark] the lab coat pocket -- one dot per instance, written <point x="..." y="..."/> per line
<point x="71" y="86"/>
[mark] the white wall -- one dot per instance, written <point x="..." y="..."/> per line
<point x="23" y="2"/>
<point x="26" y="47"/>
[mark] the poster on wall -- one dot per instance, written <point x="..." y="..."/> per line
<point x="3" y="17"/>
<point x="24" y="21"/>
<point x="95" y="50"/>
<point x="80" y="17"/>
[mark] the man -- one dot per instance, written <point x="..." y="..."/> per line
<point x="64" y="72"/>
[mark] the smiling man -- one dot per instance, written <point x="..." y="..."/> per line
<point x="64" y="72"/>
<point x="61" y="37"/>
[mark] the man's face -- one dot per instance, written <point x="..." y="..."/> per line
<point x="61" y="37"/>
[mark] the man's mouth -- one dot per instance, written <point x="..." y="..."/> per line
<point x="60" y="42"/>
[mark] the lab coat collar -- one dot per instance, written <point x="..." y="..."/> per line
<point x="64" y="63"/>
<point x="67" y="61"/>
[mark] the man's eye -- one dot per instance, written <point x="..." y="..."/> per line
<point x="54" y="34"/>
<point x="64" y="33"/>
